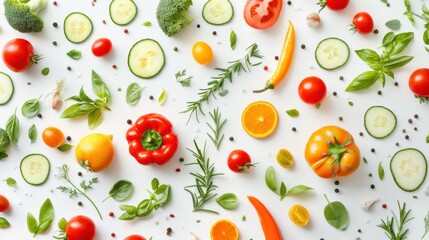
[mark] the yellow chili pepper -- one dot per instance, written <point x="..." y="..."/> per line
<point x="285" y="60"/>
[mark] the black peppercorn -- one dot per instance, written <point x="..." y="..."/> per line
<point x="294" y="129"/>
<point x="39" y="115"/>
<point x="341" y="78"/>
<point x="289" y="3"/>
<point x="79" y="203"/>
<point x="55" y="24"/>
<point x="69" y="68"/>
<point x="175" y="49"/>
<point x="214" y="33"/>
<point x="407" y="137"/>
<point x="129" y="121"/>
<point x="376" y="31"/>
<point x="54" y="43"/>
<point x="372" y="186"/>
<point x="302" y="46"/>
<point x="396" y="84"/>
<point x="79" y="174"/>
<point x="181" y="159"/>
<point x="276" y="58"/>
<point x="334" y="93"/>
<point x="169" y="230"/>
<point x="151" y="97"/>
<point x="340" y="118"/>
<point x="337" y="182"/>
<point x="231" y="139"/>
<point x="361" y="134"/>
<point x="337" y="190"/>
<point x="372" y="150"/>
<point x="410" y="120"/>
<point x="416" y="116"/>
<point x="68" y="138"/>
<point x="379" y="92"/>
<point x="198" y="26"/>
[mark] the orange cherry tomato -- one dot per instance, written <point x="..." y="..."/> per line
<point x="4" y="203"/>
<point x="202" y="53"/>
<point x="53" y="137"/>
<point x="299" y="215"/>
<point x="332" y="152"/>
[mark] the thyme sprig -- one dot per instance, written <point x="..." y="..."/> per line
<point x="203" y="181"/>
<point x="72" y="190"/>
<point x="217" y="83"/>
<point x="216" y="137"/>
<point x="393" y="228"/>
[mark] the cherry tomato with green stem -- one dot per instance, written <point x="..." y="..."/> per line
<point x="312" y="90"/>
<point x="239" y="161"/>
<point x="362" y="23"/>
<point x="18" y="55"/>
<point x="101" y="47"/>
<point x="419" y="82"/>
<point x="335" y="5"/>
<point x="80" y="228"/>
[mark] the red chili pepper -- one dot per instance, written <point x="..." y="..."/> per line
<point x="151" y="139"/>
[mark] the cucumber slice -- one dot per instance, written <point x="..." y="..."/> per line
<point x="379" y="121"/>
<point x="408" y="167"/>
<point x="146" y="58"/>
<point x="332" y="53"/>
<point x="77" y="27"/>
<point x="35" y="169"/>
<point x="122" y="12"/>
<point x="6" y="88"/>
<point x="218" y="12"/>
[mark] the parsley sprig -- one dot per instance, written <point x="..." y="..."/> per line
<point x="184" y="80"/>
<point x="393" y="228"/>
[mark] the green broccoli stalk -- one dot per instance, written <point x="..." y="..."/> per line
<point x="172" y="15"/>
<point x="23" y="15"/>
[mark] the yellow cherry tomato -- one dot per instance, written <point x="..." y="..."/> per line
<point x="284" y="158"/>
<point x="299" y="215"/>
<point x="202" y="53"/>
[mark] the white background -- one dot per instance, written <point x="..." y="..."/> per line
<point x="354" y="190"/>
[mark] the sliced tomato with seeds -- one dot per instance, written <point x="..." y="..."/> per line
<point x="261" y="14"/>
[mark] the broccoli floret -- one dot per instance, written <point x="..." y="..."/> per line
<point x="23" y="15"/>
<point x="172" y="15"/>
<point x="4" y="140"/>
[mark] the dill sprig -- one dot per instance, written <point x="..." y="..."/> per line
<point x="216" y="137"/>
<point x="218" y="82"/>
<point x="393" y="228"/>
<point x="426" y="220"/>
<point x="203" y="181"/>
<point x="184" y="80"/>
<point x="73" y="191"/>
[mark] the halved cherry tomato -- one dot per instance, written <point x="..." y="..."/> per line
<point x="239" y="161"/>
<point x="53" y="137"/>
<point x="332" y="152"/>
<point x="335" y="5"/>
<point x="4" y="203"/>
<point x="134" y="237"/>
<point x="18" y="55"/>
<point x="202" y="53"/>
<point x="261" y="14"/>
<point x="101" y="47"/>
<point x="419" y="82"/>
<point x="80" y="228"/>
<point x="312" y="90"/>
<point x="299" y="215"/>
<point x="363" y="23"/>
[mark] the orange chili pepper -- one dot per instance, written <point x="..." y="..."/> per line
<point x="269" y="225"/>
<point x="285" y="60"/>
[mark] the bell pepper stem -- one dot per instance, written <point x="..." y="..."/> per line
<point x="268" y="85"/>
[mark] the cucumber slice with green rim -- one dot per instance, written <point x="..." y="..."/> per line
<point x="35" y="169"/>
<point x="218" y="12"/>
<point x="77" y="27"/>
<point x="408" y="167"/>
<point x="122" y="12"/>
<point x="6" y="88"/>
<point x="332" y="53"/>
<point x="379" y="121"/>
<point x="146" y="58"/>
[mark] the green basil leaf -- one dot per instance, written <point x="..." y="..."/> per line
<point x="380" y="171"/>
<point x="32" y="133"/>
<point x="95" y="118"/>
<point x="83" y="96"/>
<point x="10" y="182"/>
<point x="147" y="24"/>
<point x="400" y="42"/>
<point x="426" y="34"/>
<point x="393" y="24"/>
<point x="65" y="147"/>
<point x="368" y="55"/>
<point x="144" y="208"/>
<point x="298" y="189"/>
<point x="162" y="97"/>
<point x="99" y="88"/>
<point x="3" y="155"/>
<point x="134" y="93"/>
<point x="4" y="140"/>
<point x="161" y="188"/>
<point x="45" y="71"/>
<point x="46" y="216"/>
<point x="363" y="81"/>
<point x="427" y="139"/>
<point x="31" y="223"/>
<point x="388" y="38"/>
<point x="121" y="190"/>
<point x="4" y="223"/>
<point x="283" y="190"/>
<point x="74" y="54"/>
<point x="155" y="184"/>
<point x="31" y="108"/>
<point x="165" y="196"/>
<point x="127" y="216"/>
<point x="78" y="109"/>
<point x="62" y="223"/>
<point x="425" y="10"/>
<point x="12" y="128"/>
<point x="232" y="39"/>
<point x="292" y="113"/>
<point x="128" y="208"/>
<point x="397" y="62"/>
<point x="228" y="201"/>
<point x="389" y="72"/>
<point x="270" y="179"/>
<point x="408" y="12"/>
<point x="336" y="215"/>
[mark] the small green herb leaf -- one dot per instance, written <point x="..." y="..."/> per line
<point x="427" y="138"/>
<point x="46" y="216"/>
<point x="95" y="118"/>
<point x="380" y="171"/>
<point x="99" y="88"/>
<point x="368" y="55"/>
<point x="228" y="201"/>
<point x="62" y="223"/>
<point x="128" y="208"/>
<point x="162" y="97"/>
<point x="3" y="155"/>
<point x="31" y="223"/>
<point x="74" y="54"/>
<point x="145" y="208"/>
<point x="32" y="133"/>
<point x="393" y="24"/>
<point x="147" y="23"/>
<point x="121" y="190"/>
<point x="65" y="147"/>
<point x="12" y="128"/>
<point x="182" y="79"/>
<point x="336" y="214"/>
<point x="408" y="12"/>
<point x="223" y="93"/>
<point x="232" y="39"/>
<point x="31" y="108"/>
<point x="292" y="113"/>
<point x="298" y="189"/>
<point x="45" y="71"/>
<point x="270" y="179"/>
<point x="155" y="184"/>
<point x="10" y="182"/>
<point x="4" y="223"/>
<point x="363" y="81"/>
<point x="283" y="190"/>
<point x="134" y="93"/>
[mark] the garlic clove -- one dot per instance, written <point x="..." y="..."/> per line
<point x="313" y="20"/>
<point x="367" y="205"/>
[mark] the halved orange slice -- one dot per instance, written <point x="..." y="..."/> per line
<point x="224" y="230"/>
<point x="259" y="119"/>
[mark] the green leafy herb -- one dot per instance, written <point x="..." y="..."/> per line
<point x="336" y="214"/>
<point x="232" y="39"/>
<point x="65" y="147"/>
<point x="243" y="218"/>
<point x="203" y="181"/>
<point x="46" y="216"/>
<point x="87" y="106"/>
<point x="3" y="155"/>
<point x="147" y="24"/>
<point x="12" y="128"/>
<point x="380" y="171"/>
<point x="159" y="196"/>
<point x="10" y="182"/>
<point x="394" y="227"/>
<point x="162" y="97"/>
<point x="45" y="71"/>
<point x="408" y="12"/>
<point x="121" y="190"/>
<point x="216" y="137"/>
<point x="4" y="223"/>
<point x="184" y="80"/>
<point x="383" y="64"/>
<point x="351" y="104"/>
<point x="134" y="93"/>
<point x="4" y="140"/>
<point x="292" y="113"/>
<point x="73" y="190"/>
<point x="217" y="83"/>
<point x="74" y="54"/>
<point x="32" y="133"/>
<point x="427" y="138"/>
<point x="223" y="93"/>
<point x="31" y="108"/>
<point x="61" y="234"/>
<point x="228" y="201"/>
<point x="393" y="24"/>
<point x="426" y="220"/>
<point x="282" y="192"/>
<point x="365" y="160"/>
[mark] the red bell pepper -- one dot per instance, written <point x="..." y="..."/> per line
<point x="152" y="140"/>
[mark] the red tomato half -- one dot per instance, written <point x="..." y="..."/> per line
<point x="419" y="82"/>
<point x="4" y="203"/>
<point x="337" y="5"/>
<point x="80" y="228"/>
<point x="18" y="55"/>
<point x="134" y="237"/>
<point x="261" y="14"/>
<point x="312" y="90"/>
<point x="363" y="23"/>
<point x="101" y="47"/>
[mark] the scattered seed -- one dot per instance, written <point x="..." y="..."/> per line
<point x="407" y="137"/>
<point x="175" y="49"/>
<point x="404" y="131"/>
<point x="28" y="83"/>
<point x="54" y="43"/>
<point x="69" y="68"/>
<point x="294" y="129"/>
<point x="55" y="3"/>
<point x="198" y="26"/>
<point x="384" y="205"/>
<point x="337" y="182"/>
<point x="341" y="78"/>
<point x="181" y="159"/>
<point x="361" y="134"/>
<point x="415" y="197"/>
<point x="129" y="122"/>
<point x="337" y="190"/>
<point x="113" y="234"/>
<point x="111" y="214"/>
<point x="39" y="115"/>
<point x="69" y="138"/>
<point x="79" y="174"/>
<point x="340" y="118"/>
<point x="334" y="93"/>
<point x="151" y="97"/>
<point x="396" y="84"/>
<point x="169" y="230"/>
<point x="302" y="46"/>
<point x="370" y="174"/>
<point x="415" y="128"/>
<point x="265" y="68"/>
<point x="125" y="30"/>
<point x="276" y="58"/>
<point x="171" y="215"/>
<point x="379" y="92"/>
<point x="214" y="33"/>
<point x="289" y="3"/>
<point x="104" y="21"/>
<point x="359" y="231"/>
<point x="372" y="186"/>
<point x="55" y="24"/>
<point x="416" y="116"/>
<point x="375" y="31"/>
<point x="178" y="170"/>
<point x="231" y="139"/>
<point x="79" y="203"/>
<point x="410" y="121"/>
<point x="372" y="150"/>
<point x="397" y="144"/>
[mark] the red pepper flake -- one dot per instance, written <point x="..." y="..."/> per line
<point x="384" y="205"/>
<point x="171" y="215"/>
<point x="113" y="235"/>
<point x="114" y="66"/>
<point x="265" y="68"/>
<point x="55" y="3"/>
<point x="125" y="30"/>
<point x="111" y="214"/>
<point x="178" y="170"/>
<point x="104" y="21"/>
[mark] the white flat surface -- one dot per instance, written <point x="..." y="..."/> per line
<point x="353" y="190"/>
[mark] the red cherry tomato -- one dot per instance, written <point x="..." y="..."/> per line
<point x="101" y="47"/>
<point x="335" y="5"/>
<point x="80" y="228"/>
<point x="239" y="161"/>
<point x="363" y="23"/>
<point x="312" y="90"/>
<point x="18" y="55"/>
<point x="4" y="203"/>
<point x="134" y="237"/>
<point x="419" y="82"/>
<point x="261" y="14"/>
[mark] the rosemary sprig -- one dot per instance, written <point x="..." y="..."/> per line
<point x="393" y="228"/>
<point x="426" y="225"/>
<point x="217" y="83"/>
<point x="216" y="137"/>
<point x="203" y="181"/>
<point x="184" y="80"/>
<point x="73" y="191"/>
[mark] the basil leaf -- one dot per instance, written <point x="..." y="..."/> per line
<point x="95" y="118"/>
<point x="134" y="93"/>
<point x="32" y="133"/>
<point x="65" y="147"/>
<point x="380" y="171"/>
<point x="147" y="24"/>
<point x="389" y="72"/>
<point x="10" y="182"/>
<point x="408" y="12"/>
<point x="155" y="184"/>
<point x="4" y="140"/>
<point x="128" y="208"/>
<point x="425" y="10"/>
<point x="46" y="216"/>
<point x="77" y="110"/>
<point x="83" y="97"/>
<point x="228" y="201"/>
<point x="45" y="71"/>
<point x="144" y="208"/>
<point x="283" y="190"/>
<point x="30" y="108"/>
<point x="4" y="223"/>
<point x="232" y="39"/>
<point x="162" y="97"/>
<point x="298" y="189"/>
<point x="3" y="155"/>
<point x="368" y="55"/>
<point x="165" y="196"/>
<point x="427" y="139"/>
<point x="388" y="38"/>
<point x="74" y="54"/>
<point x="292" y="112"/>
<point x="31" y="223"/>
<point x="397" y="62"/>
<point x="12" y="128"/>
<point x="393" y="24"/>
<point x="400" y="42"/>
<point x="426" y="34"/>
<point x="127" y="216"/>
<point x="99" y="88"/>
<point x="121" y="190"/>
<point x="62" y="223"/>
<point x="336" y="214"/>
<point x="363" y="81"/>
<point x="270" y="179"/>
